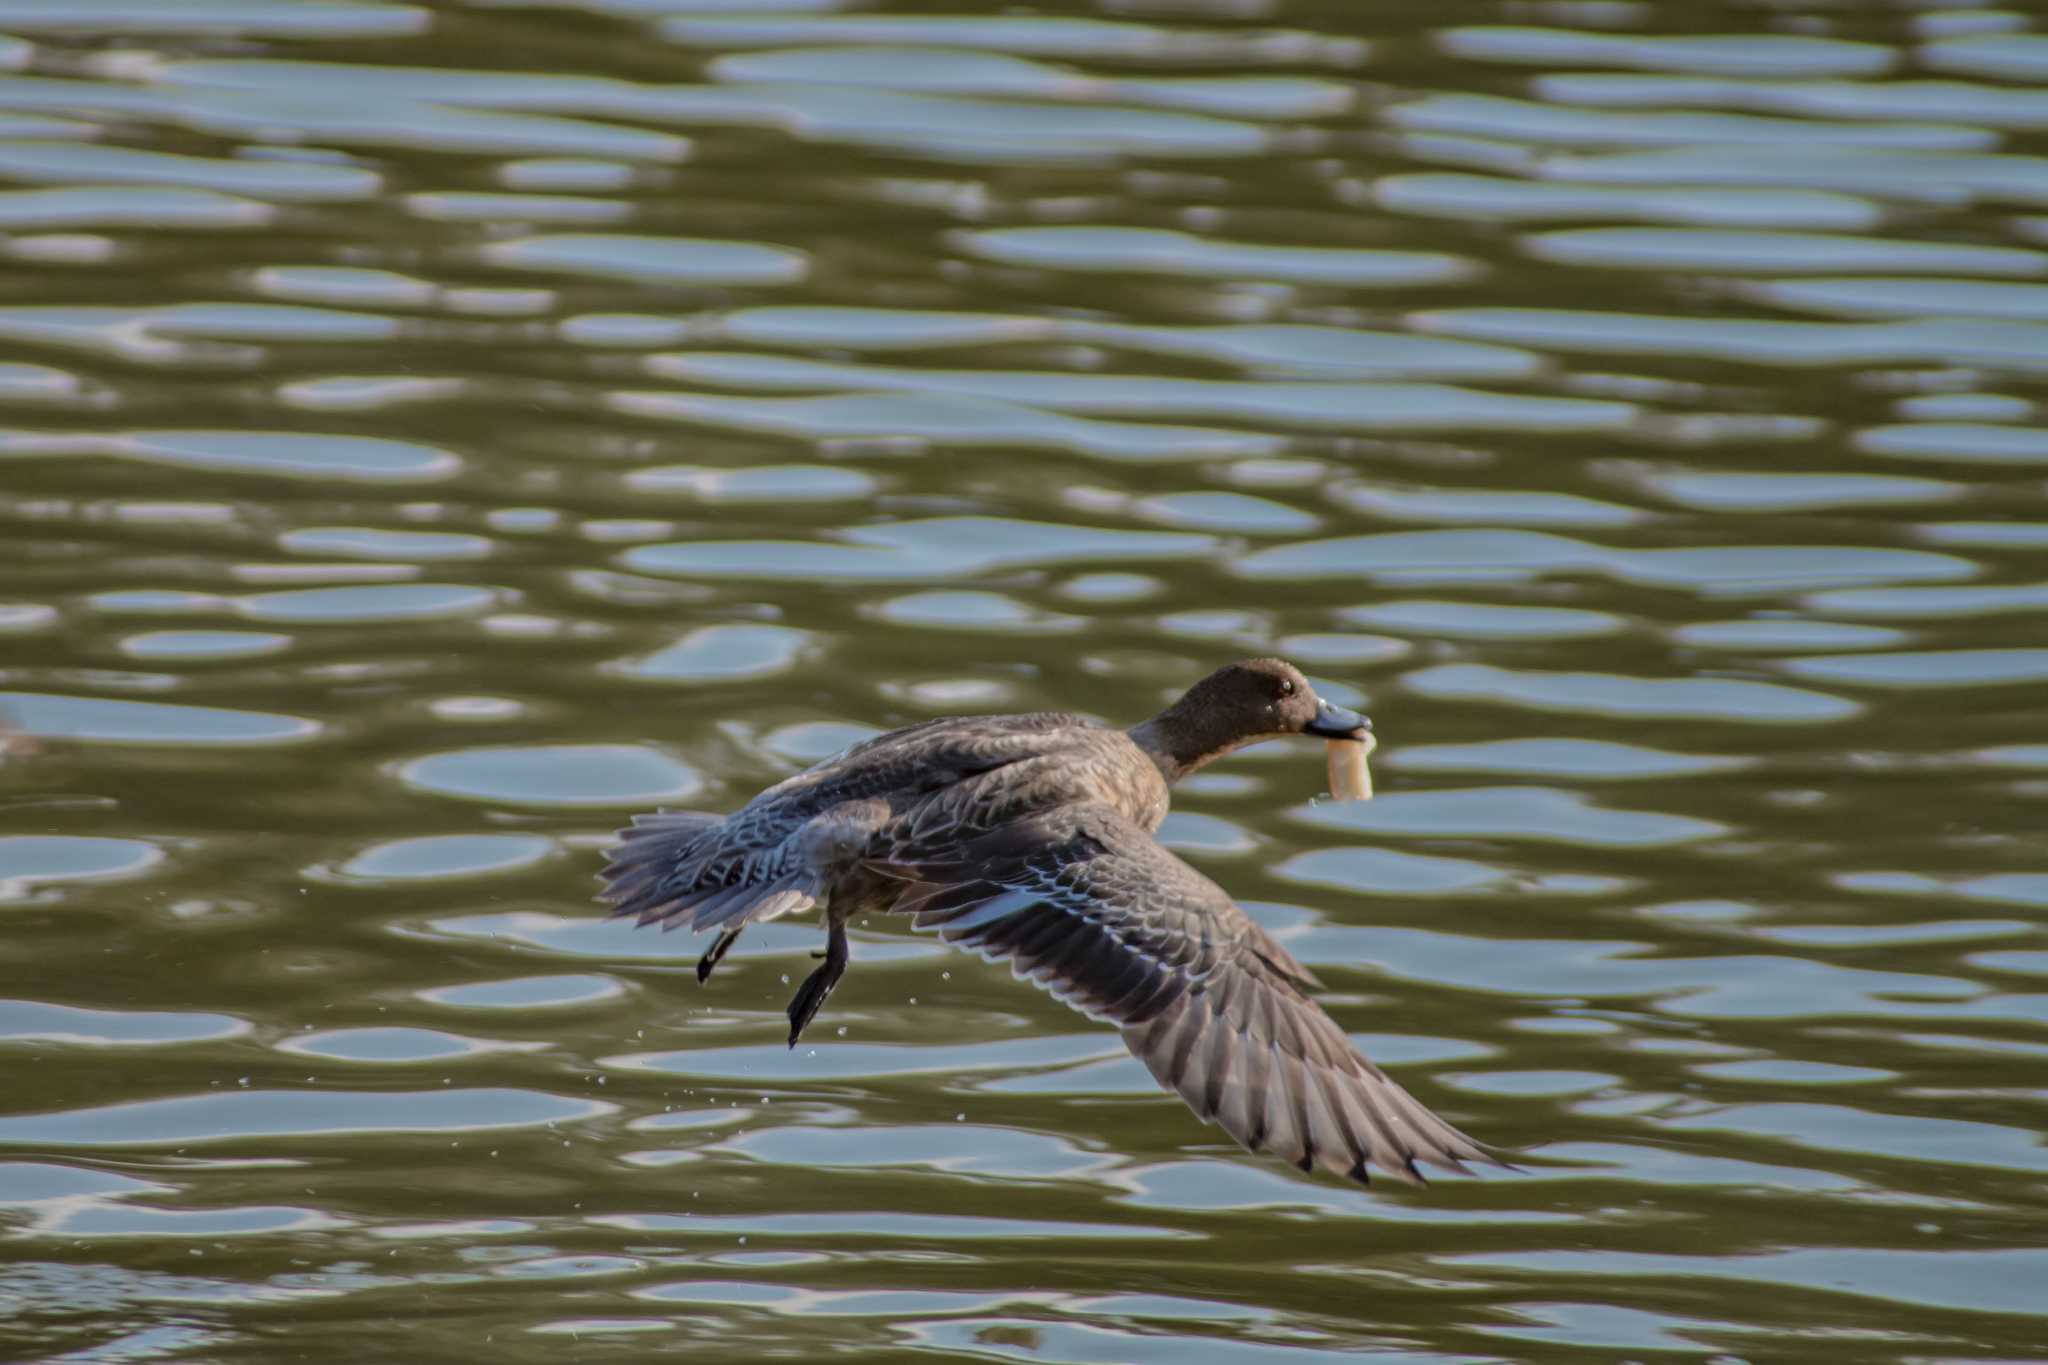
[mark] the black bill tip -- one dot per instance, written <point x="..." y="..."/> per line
<point x="1337" y="722"/>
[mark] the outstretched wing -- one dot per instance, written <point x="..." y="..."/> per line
<point x="1087" y="905"/>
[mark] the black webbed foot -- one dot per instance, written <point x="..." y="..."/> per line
<point x="716" y="954"/>
<point x="809" y="996"/>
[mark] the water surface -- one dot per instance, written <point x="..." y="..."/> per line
<point x="433" y="432"/>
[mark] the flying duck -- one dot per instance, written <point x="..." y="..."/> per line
<point x="1028" y="838"/>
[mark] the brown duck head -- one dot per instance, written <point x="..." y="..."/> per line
<point x="1240" y="704"/>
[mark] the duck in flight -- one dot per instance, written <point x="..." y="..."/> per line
<point x="1029" y="839"/>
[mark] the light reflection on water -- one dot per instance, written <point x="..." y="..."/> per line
<point x="432" y="433"/>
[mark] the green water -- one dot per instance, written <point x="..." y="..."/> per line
<point x="432" y="433"/>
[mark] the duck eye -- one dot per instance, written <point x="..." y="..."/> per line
<point x="1287" y="687"/>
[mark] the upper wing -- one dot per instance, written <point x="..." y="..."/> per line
<point x="1084" y="903"/>
<point x="965" y="738"/>
<point x="902" y="767"/>
<point x="783" y="849"/>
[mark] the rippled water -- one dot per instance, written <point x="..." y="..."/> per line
<point x="433" y="432"/>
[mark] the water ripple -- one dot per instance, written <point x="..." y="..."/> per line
<point x="1158" y="250"/>
<point x="661" y="260"/>
<point x="555" y="775"/>
<point x="31" y="860"/>
<point x="1509" y="555"/>
<point x="1540" y="813"/>
<point x="910" y="551"/>
<point x="108" y="720"/>
<point x="1606" y="694"/>
<point x="32" y="1021"/>
<point x="251" y="1115"/>
<point x="943" y="420"/>
<point x="1984" y="1280"/>
<point x="1781" y="55"/>
<point x="1348" y="407"/>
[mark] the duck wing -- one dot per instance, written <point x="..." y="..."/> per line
<point x="1083" y="902"/>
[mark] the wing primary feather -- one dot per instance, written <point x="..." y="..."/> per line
<point x="1277" y="1130"/>
<point x="1187" y="1031"/>
<point x="1219" y="1069"/>
<point x="1304" y="1149"/>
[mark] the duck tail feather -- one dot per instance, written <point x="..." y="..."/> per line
<point x="641" y="875"/>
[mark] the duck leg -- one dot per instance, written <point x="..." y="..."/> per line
<point x="818" y="984"/>
<point x="716" y="954"/>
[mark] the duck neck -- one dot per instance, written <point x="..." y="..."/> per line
<point x="1176" y="742"/>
